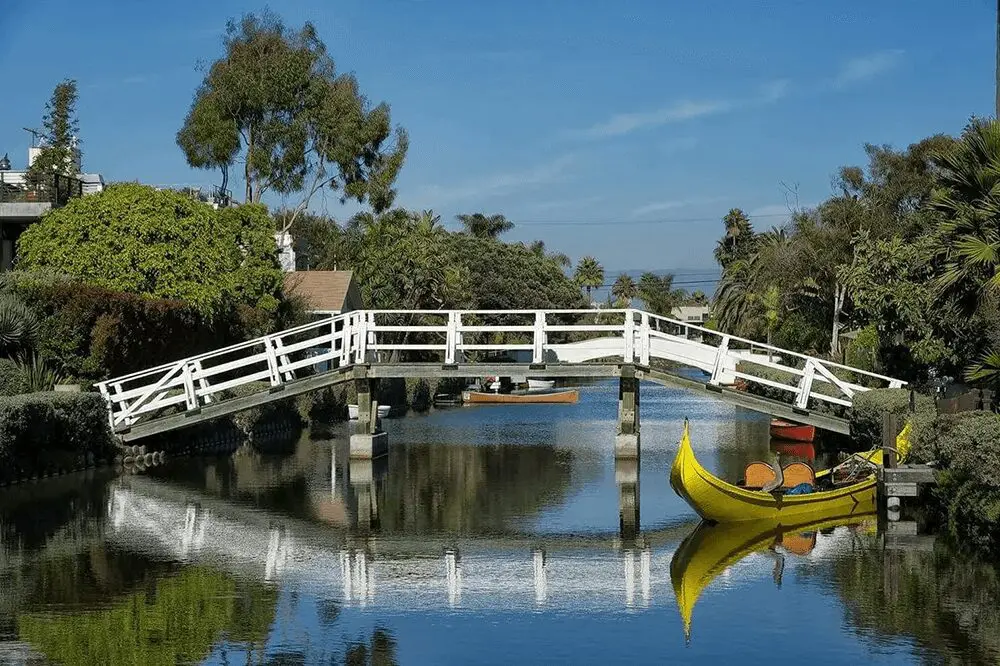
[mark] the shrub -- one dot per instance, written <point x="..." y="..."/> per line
<point x="92" y="333"/>
<point x="41" y="430"/>
<point x="870" y="406"/>
<point x="12" y="380"/>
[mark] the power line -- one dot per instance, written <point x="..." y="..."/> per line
<point x="597" y="223"/>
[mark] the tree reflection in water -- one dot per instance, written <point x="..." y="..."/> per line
<point x="947" y="600"/>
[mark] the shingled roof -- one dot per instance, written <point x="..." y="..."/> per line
<point x="328" y="292"/>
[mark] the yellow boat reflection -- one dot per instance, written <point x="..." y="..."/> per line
<point x="712" y="548"/>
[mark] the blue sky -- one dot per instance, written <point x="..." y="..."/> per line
<point x="619" y="129"/>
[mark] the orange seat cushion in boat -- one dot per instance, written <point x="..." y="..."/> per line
<point x="799" y="544"/>
<point x="758" y="475"/>
<point x="796" y="473"/>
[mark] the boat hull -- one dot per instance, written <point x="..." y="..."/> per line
<point x="792" y="431"/>
<point x="721" y="502"/>
<point x="540" y="384"/>
<point x="560" y="397"/>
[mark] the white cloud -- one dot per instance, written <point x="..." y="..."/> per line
<point x="498" y="183"/>
<point x="776" y="210"/>
<point x="658" y="207"/>
<point x="561" y="204"/>
<point x="626" y="123"/>
<point x="661" y="206"/>
<point x="867" y="67"/>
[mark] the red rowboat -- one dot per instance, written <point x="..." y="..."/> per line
<point x="802" y="450"/>
<point x="792" y="431"/>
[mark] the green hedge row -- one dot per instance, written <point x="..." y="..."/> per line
<point x="90" y="333"/>
<point x="43" y="431"/>
<point x="966" y="448"/>
<point x="12" y="379"/>
<point x="869" y="407"/>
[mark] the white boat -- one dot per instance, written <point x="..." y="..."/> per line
<point x="352" y="411"/>
<point x="540" y="384"/>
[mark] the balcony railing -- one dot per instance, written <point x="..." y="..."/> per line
<point x="55" y="189"/>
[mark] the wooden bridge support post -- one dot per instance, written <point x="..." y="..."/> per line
<point x="363" y="485"/>
<point x="627" y="439"/>
<point x="627" y="480"/>
<point x="368" y="441"/>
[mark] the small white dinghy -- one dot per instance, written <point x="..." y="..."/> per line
<point x="540" y="384"/>
<point x="383" y="411"/>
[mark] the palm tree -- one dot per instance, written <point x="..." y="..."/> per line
<point x="589" y="274"/>
<point x="969" y="198"/>
<point x="485" y="226"/>
<point x="738" y="241"/>
<point x="624" y="290"/>
<point x="18" y="326"/>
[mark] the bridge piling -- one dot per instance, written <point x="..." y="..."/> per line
<point x="627" y="438"/>
<point x="627" y="480"/>
<point x="369" y="441"/>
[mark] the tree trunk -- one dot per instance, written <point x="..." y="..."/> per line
<point x="246" y="166"/>
<point x="839" y="293"/>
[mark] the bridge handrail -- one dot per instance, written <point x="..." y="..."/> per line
<point x="355" y="337"/>
<point x="778" y="351"/>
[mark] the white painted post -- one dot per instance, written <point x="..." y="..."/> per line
<point x="346" y="339"/>
<point x="451" y="338"/>
<point x="279" y="347"/>
<point x="628" y="352"/>
<point x="538" y="346"/>
<point x="644" y="339"/>
<point x="189" y="394"/>
<point x="805" y="385"/>
<point x="272" y="361"/>
<point x="202" y="381"/>
<point x="459" y="339"/>
<point x="361" y="342"/>
<point x="372" y="340"/>
<point x="720" y="361"/>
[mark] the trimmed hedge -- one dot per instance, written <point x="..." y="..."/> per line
<point x="42" y="431"/>
<point x="870" y="406"/>
<point x="966" y="447"/>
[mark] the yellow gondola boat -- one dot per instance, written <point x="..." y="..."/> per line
<point x="711" y="549"/>
<point x="718" y="501"/>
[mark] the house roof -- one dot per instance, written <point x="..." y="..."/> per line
<point x="324" y="291"/>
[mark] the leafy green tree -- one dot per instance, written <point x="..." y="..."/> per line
<point x="624" y="290"/>
<point x="59" y="151"/>
<point x="275" y="103"/>
<point x="485" y="226"/>
<point x="538" y="247"/>
<point x="589" y="274"/>
<point x="136" y="239"/>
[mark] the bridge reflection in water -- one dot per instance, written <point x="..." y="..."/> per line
<point x="350" y="558"/>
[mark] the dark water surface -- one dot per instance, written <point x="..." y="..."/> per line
<point x="490" y="535"/>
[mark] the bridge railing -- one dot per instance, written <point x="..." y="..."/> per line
<point x="451" y="337"/>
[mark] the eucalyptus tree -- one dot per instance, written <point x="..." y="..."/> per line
<point x="275" y="103"/>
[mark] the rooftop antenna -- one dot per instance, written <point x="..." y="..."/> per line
<point x="35" y="136"/>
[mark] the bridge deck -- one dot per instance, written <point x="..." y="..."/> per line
<point x="458" y="344"/>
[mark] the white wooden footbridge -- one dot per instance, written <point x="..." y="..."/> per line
<point x="366" y="345"/>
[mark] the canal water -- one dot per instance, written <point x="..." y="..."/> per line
<point x="489" y="535"/>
